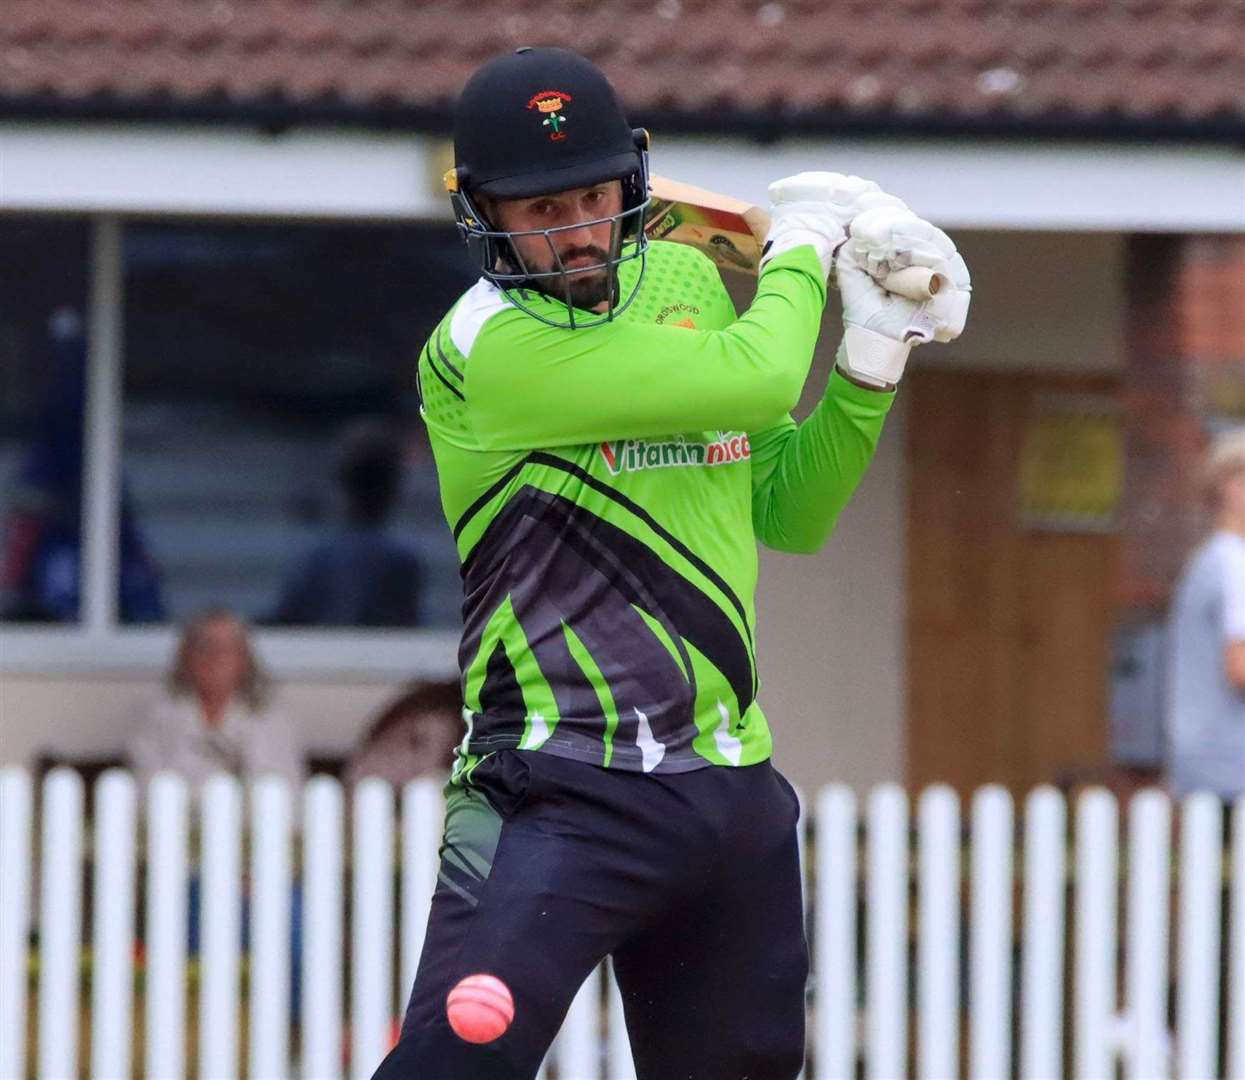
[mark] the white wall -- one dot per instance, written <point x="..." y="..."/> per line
<point x="830" y="638"/>
<point x="90" y="714"/>
<point x="1041" y="302"/>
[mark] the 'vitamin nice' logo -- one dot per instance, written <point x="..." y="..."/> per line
<point x="632" y="455"/>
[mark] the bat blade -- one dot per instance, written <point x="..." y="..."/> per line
<point x="728" y="230"/>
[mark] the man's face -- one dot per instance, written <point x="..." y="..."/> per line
<point x="576" y="244"/>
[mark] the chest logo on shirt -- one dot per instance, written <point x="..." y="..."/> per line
<point x="670" y="311"/>
<point x="635" y="455"/>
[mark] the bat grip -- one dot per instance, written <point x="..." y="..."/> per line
<point x="917" y="283"/>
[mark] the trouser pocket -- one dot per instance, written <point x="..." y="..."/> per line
<point x="504" y="777"/>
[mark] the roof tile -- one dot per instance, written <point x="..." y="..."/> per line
<point x="803" y="60"/>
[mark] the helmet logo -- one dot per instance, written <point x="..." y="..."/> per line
<point x="550" y="103"/>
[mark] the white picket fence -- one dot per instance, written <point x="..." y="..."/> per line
<point x="1058" y="981"/>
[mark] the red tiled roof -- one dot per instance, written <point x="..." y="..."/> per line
<point x="1131" y="65"/>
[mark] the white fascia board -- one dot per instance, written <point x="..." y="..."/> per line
<point x="978" y="184"/>
<point x="997" y="184"/>
<point x="151" y="169"/>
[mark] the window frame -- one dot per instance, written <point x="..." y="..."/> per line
<point x="98" y="642"/>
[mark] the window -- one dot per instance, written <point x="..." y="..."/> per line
<point x="273" y="460"/>
<point x="43" y="301"/>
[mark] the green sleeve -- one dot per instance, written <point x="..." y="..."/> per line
<point x="803" y="474"/>
<point x="532" y="385"/>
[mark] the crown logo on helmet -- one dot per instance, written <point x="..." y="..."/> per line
<point x="550" y="103"/>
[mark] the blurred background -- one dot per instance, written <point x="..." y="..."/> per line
<point x="223" y="241"/>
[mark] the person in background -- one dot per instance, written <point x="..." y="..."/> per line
<point x="360" y="575"/>
<point x="1206" y="684"/>
<point x="41" y="556"/>
<point x="414" y="735"/>
<point x="215" y="715"/>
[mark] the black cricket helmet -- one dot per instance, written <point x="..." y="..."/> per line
<point x="539" y="121"/>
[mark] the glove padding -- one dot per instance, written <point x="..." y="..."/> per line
<point x="847" y="196"/>
<point x="877" y="326"/>
<point x="816" y="208"/>
<point x="885" y="239"/>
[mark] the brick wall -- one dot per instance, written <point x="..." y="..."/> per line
<point x="1185" y="378"/>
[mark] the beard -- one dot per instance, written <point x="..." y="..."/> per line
<point x="585" y="289"/>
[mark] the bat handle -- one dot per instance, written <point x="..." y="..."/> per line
<point x="917" y="283"/>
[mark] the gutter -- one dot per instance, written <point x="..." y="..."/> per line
<point x="277" y="115"/>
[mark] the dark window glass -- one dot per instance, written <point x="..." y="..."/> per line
<point x="274" y="458"/>
<point x="43" y="303"/>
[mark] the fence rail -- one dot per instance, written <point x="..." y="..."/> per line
<point x="1033" y="941"/>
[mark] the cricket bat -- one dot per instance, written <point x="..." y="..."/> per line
<point x="731" y="232"/>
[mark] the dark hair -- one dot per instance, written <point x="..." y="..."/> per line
<point x="255" y="683"/>
<point x="442" y="695"/>
<point x="369" y="469"/>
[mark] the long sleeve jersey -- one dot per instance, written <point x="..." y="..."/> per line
<point x="606" y="488"/>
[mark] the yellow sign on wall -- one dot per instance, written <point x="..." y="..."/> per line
<point x="1072" y="464"/>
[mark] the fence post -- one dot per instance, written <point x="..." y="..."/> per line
<point x="322" y="936"/>
<point x="1045" y="879"/>
<point x="1097" y="885"/>
<point x="220" y="931"/>
<point x="834" y="964"/>
<point x="1197" y="1001"/>
<point x="423" y="811"/>
<point x="991" y="947"/>
<point x="270" y="929"/>
<point x="371" y="980"/>
<point x="1149" y="884"/>
<point x="887" y="934"/>
<point x="112" y="972"/>
<point x="15" y="925"/>
<point x="60" y="924"/>
<point x="938" y="950"/>
<point x="166" y="927"/>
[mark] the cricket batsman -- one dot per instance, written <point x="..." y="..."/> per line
<point x="612" y="442"/>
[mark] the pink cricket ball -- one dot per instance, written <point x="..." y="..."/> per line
<point x="480" y="1008"/>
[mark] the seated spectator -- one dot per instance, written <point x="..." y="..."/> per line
<point x="215" y="715"/>
<point x="360" y="575"/>
<point x="414" y="735"/>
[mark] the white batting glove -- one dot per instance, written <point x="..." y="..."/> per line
<point x="798" y="216"/>
<point x="885" y="239"/>
<point x="816" y="207"/>
<point x="879" y="328"/>
<point x="849" y="196"/>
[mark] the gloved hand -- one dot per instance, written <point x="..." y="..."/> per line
<point x="886" y="239"/>
<point x="849" y="196"/>
<point x="878" y="327"/>
<point x="816" y="208"/>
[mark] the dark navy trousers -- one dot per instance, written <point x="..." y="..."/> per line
<point x="690" y="881"/>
